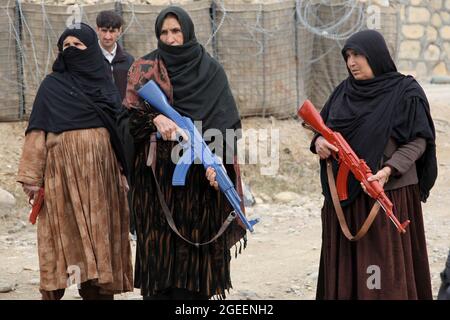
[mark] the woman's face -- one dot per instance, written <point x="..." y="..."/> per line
<point x="71" y="41"/>
<point x="358" y="65"/>
<point x="171" y="32"/>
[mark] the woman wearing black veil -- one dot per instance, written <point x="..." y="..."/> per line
<point x="385" y="117"/>
<point x="73" y="150"/>
<point x="167" y="266"/>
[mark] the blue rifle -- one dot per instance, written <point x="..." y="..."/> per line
<point x="194" y="148"/>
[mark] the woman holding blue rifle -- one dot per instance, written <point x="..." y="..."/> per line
<point x="172" y="264"/>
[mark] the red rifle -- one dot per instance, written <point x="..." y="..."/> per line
<point x="349" y="161"/>
<point x="37" y="201"/>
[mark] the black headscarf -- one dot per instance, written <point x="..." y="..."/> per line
<point x="78" y="94"/>
<point x="200" y="85"/>
<point x="368" y="112"/>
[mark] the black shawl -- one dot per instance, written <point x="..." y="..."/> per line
<point x="368" y="112"/>
<point x="200" y="85"/>
<point x="78" y="93"/>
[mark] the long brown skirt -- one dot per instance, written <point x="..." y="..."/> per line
<point x="84" y="224"/>
<point x="384" y="264"/>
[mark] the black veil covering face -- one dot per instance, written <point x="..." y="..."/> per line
<point x="368" y="112"/>
<point x="200" y="86"/>
<point x="78" y="93"/>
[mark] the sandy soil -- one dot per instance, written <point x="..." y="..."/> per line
<point x="281" y="260"/>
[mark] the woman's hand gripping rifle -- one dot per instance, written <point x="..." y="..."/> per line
<point x="349" y="161"/>
<point x="194" y="148"/>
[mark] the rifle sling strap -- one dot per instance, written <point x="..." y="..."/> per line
<point x="340" y="214"/>
<point x="169" y="216"/>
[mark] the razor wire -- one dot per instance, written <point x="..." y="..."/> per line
<point x="253" y="53"/>
<point x="335" y="29"/>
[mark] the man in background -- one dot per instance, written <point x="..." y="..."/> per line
<point x="109" y="29"/>
<point x="117" y="62"/>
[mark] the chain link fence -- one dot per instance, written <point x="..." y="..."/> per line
<point x="256" y="46"/>
<point x="10" y="87"/>
<point x="275" y="54"/>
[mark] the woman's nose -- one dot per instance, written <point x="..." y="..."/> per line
<point x="351" y="61"/>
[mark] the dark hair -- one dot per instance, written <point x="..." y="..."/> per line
<point x="109" y="19"/>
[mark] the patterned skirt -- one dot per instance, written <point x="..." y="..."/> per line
<point x="163" y="259"/>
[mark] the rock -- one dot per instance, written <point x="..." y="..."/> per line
<point x="248" y="295"/>
<point x="413" y="31"/>
<point x="294" y="289"/>
<point x="440" y="69"/>
<point x="419" y="15"/>
<point x="34" y="282"/>
<point x="288" y="196"/>
<point x="410" y="49"/>
<point x="5" y="288"/>
<point x="258" y="200"/>
<point x="432" y="53"/>
<point x="445" y="32"/>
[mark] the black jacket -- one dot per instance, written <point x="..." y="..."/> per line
<point x="120" y="65"/>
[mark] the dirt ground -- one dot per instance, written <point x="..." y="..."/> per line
<point x="282" y="257"/>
